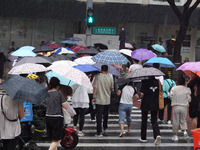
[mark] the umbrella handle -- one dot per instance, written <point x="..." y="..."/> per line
<point x="69" y="82"/>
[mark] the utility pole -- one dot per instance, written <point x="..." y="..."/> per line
<point x="88" y="28"/>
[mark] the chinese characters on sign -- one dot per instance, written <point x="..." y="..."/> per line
<point x="97" y="30"/>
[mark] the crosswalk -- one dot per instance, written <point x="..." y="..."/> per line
<point x="111" y="139"/>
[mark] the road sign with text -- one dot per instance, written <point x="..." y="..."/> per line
<point x="97" y="30"/>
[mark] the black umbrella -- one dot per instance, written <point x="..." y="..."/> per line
<point x="43" y="49"/>
<point x="55" y="57"/>
<point x="88" y="51"/>
<point x="100" y="46"/>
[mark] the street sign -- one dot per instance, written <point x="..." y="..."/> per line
<point x="104" y="30"/>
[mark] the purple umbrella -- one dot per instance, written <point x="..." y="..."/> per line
<point x="190" y="66"/>
<point x="142" y="54"/>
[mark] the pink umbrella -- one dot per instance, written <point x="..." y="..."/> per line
<point x="190" y="67"/>
<point x="76" y="48"/>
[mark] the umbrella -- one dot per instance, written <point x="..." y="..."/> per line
<point x="74" y="39"/>
<point x="23" y="89"/>
<point x="55" y="57"/>
<point x="43" y="49"/>
<point x="90" y="50"/>
<point x="142" y="54"/>
<point x="63" y="62"/>
<point x="35" y="60"/>
<point x="126" y="52"/>
<point x="164" y="62"/>
<point x="86" y="68"/>
<point x="68" y="42"/>
<point x="158" y="48"/>
<point x="145" y="72"/>
<point x="24" y="51"/>
<point x="53" y="46"/>
<point x="64" y="50"/>
<point x="127" y="45"/>
<point x="113" y="50"/>
<point x="3" y="49"/>
<point x="111" y="69"/>
<point x="111" y="58"/>
<point x="76" y="48"/>
<point x="84" y="60"/>
<point x="27" y="69"/>
<point x="100" y="46"/>
<point x="73" y="74"/>
<point x="190" y="67"/>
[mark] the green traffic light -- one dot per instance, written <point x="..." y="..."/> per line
<point x="90" y="19"/>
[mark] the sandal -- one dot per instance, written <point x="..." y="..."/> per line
<point x="122" y="133"/>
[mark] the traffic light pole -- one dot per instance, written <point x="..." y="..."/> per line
<point x="88" y="29"/>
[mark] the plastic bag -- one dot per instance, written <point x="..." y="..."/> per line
<point x="66" y="117"/>
<point x="28" y="112"/>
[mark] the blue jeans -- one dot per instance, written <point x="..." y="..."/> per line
<point x="125" y="112"/>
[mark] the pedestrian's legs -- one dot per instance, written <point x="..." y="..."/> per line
<point x="82" y="118"/>
<point x="54" y="145"/>
<point x="122" y="115"/>
<point x="75" y="118"/>
<point x="144" y="125"/>
<point x="161" y="112"/>
<point x="99" y="113"/>
<point x="183" y="114"/>
<point x="9" y="144"/>
<point x="156" y="130"/>
<point x="128" y="116"/>
<point x="175" y="111"/>
<point x="105" y="116"/>
<point x="169" y="109"/>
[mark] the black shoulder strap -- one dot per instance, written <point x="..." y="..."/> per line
<point x="12" y="120"/>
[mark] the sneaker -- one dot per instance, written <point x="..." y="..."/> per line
<point x="33" y="145"/>
<point x="175" y="138"/>
<point x="185" y="134"/>
<point x="160" y="121"/>
<point x="80" y="134"/>
<point x="169" y="122"/>
<point x="122" y="133"/>
<point x="75" y="128"/>
<point x="143" y="141"/>
<point x="92" y="120"/>
<point x="99" y="135"/>
<point x="139" y="100"/>
<point x="158" y="140"/>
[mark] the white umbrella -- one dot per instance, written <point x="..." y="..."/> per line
<point x="63" y="62"/>
<point x="126" y="52"/>
<point x="73" y="74"/>
<point x="27" y="69"/>
<point x="84" y="60"/>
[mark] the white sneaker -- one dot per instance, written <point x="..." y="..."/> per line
<point x="80" y="134"/>
<point x="175" y="138"/>
<point x="143" y="141"/>
<point x="169" y="122"/>
<point x="185" y="134"/>
<point x="158" y="140"/>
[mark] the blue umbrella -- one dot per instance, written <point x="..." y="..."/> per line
<point x="63" y="80"/>
<point x="63" y="50"/>
<point x="74" y="39"/>
<point x="68" y="42"/>
<point x="112" y="70"/>
<point x="86" y="68"/>
<point x="159" y="48"/>
<point x="24" y="51"/>
<point x="164" y="62"/>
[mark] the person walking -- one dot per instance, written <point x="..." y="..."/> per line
<point x="80" y="102"/>
<point x="102" y="87"/>
<point x="128" y="94"/>
<point x="54" y="115"/>
<point x="167" y="86"/>
<point x="2" y="65"/>
<point x="180" y="97"/>
<point x="150" y="102"/>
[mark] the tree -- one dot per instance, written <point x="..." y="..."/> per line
<point x="184" y="18"/>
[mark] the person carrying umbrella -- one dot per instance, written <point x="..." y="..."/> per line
<point x="2" y="64"/>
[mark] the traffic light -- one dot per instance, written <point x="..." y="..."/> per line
<point x="90" y="17"/>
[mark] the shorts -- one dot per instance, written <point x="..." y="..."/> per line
<point x="125" y="112"/>
<point x="55" y="128"/>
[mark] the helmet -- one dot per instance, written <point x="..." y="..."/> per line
<point x="32" y="76"/>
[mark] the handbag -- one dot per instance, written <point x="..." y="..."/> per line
<point x="66" y="117"/>
<point x="70" y="109"/>
<point x="161" y="99"/>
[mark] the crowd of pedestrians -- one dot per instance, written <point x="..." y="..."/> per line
<point x="178" y="96"/>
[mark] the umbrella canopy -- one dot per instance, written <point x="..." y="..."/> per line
<point x="86" y="68"/>
<point x="164" y="62"/>
<point x="190" y="67"/>
<point x="64" y="50"/>
<point x="142" y="54"/>
<point x="63" y="62"/>
<point x="76" y="48"/>
<point x="3" y="49"/>
<point x="24" y="51"/>
<point x="126" y="52"/>
<point x="23" y="89"/>
<point x="68" y="42"/>
<point x="111" y="58"/>
<point x="73" y="74"/>
<point x="55" y="57"/>
<point x="100" y="46"/>
<point x="145" y="72"/>
<point x="88" y="51"/>
<point x="27" y="69"/>
<point x="43" y="49"/>
<point x="111" y="69"/>
<point x="53" y="46"/>
<point x="74" y="39"/>
<point x="84" y="60"/>
<point x="127" y="45"/>
<point x="159" y="48"/>
<point x="35" y="60"/>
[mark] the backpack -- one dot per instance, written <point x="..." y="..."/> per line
<point x="170" y="87"/>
